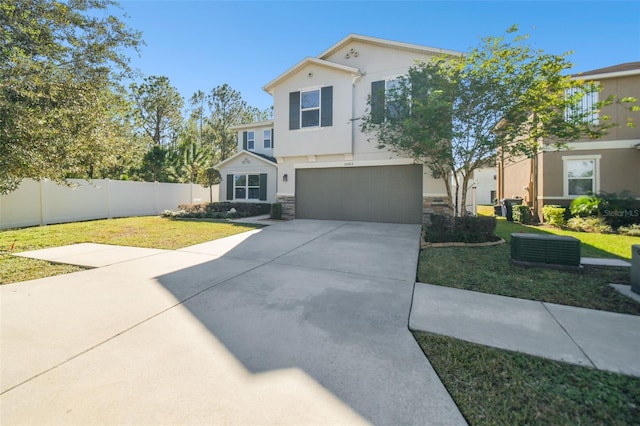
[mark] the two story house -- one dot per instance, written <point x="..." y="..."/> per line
<point x="609" y="164"/>
<point x="326" y="167"/>
<point x="250" y="174"/>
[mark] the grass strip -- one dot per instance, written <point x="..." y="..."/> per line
<point x="489" y="270"/>
<point x="147" y="232"/>
<point x="496" y="387"/>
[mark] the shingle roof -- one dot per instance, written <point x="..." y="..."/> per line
<point x="627" y="66"/>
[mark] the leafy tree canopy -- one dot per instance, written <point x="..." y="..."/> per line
<point x="60" y="65"/>
<point x="454" y="112"/>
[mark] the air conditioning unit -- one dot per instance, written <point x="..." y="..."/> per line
<point x="545" y="249"/>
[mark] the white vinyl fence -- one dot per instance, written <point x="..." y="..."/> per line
<point x="45" y="202"/>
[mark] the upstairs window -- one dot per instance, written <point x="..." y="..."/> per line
<point x="386" y="102"/>
<point x="267" y="139"/>
<point x="585" y="108"/>
<point x="251" y="140"/>
<point x="311" y="108"/>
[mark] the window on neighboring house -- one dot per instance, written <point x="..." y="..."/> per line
<point x="586" y="107"/>
<point x="267" y="138"/>
<point x="311" y="108"/>
<point x="581" y="175"/>
<point x="247" y="186"/>
<point x="251" y="138"/>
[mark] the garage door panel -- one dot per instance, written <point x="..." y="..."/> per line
<point x="373" y="194"/>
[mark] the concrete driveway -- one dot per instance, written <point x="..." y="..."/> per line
<point x="304" y="322"/>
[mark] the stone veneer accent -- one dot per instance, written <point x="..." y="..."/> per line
<point x="288" y="206"/>
<point x="434" y="205"/>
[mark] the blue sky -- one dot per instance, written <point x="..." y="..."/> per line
<point x="202" y="44"/>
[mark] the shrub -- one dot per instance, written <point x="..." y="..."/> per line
<point x="619" y="208"/>
<point x="589" y="224"/>
<point x="631" y="230"/>
<point x="219" y="210"/>
<point x="276" y="211"/>
<point x="586" y="205"/>
<point x="465" y="229"/>
<point x="554" y="215"/>
<point x="521" y="213"/>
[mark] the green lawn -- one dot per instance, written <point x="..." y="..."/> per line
<point x="593" y="245"/>
<point x="149" y="231"/>
<point x="489" y="270"/>
<point x="496" y="387"/>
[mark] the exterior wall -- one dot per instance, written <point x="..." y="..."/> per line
<point x="334" y="139"/>
<point x="619" y="171"/>
<point x="621" y="87"/>
<point x="45" y="202"/>
<point x="517" y="175"/>
<point x="342" y="144"/>
<point x="377" y="63"/>
<point x="247" y="164"/>
<point x="258" y="130"/>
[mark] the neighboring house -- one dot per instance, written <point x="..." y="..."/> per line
<point x="608" y="164"/>
<point x="326" y="167"/>
<point x="481" y="189"/>
<point x="250" y="174"/>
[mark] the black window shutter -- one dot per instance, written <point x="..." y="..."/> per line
<point x="229" y="187"/>
<point x="294" y="110"/>
<point x="244" y="140"/>
<point x="271" y="138"/>
<point x="377" y="101"/>
<point x="326" y="103"/>
<point x="263" y="186"/>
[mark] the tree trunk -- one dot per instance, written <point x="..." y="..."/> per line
<point x="534" y="185"/>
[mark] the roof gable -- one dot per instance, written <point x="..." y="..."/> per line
<point x="386" y="43"/>
<point x="308" y="61"/>
<point x="265" y="158"/>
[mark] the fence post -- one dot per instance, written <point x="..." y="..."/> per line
<point x="108" y="185"/>
<point x="42" y="182"/>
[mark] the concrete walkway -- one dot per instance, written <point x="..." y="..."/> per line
<point x="604" y="340"/>
<point x="303" y="322"/>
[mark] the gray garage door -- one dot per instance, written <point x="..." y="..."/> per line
<point x="372" y="194"/>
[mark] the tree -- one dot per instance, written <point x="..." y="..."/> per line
<point x="453" y="113"/>
<point x="158" y="109"/>
<point x="60" y="67"/>
<point x="227" y="109"/>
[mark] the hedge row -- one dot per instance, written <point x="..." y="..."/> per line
<point x="221" y="210"/>
<point x="465" y="229"/>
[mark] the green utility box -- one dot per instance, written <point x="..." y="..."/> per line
<point x="545" y="249"/>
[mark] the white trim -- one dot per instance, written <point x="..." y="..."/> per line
<point x="385" y="43"/>
<point x="285" y="194"/>
<point x="595" y="145"/>
<point x="596" y="172"/>
<point x="605" y="75"/>
<point x="346" y="164"/>
<point x="307" y="61"/>
<point x="582" y="157"/>
<point x="257" y="124"/>
<point x="427" y="194"/>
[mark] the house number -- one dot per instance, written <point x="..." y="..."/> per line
<point x="350" y="163"/>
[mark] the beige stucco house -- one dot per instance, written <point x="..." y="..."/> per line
<point x="250" y="174"/>
<point x="609" y="164"/>
<point x="326" y="167"/>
